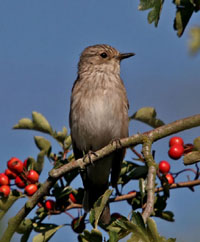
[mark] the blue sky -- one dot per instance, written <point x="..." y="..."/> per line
<point x="40" y="45"/>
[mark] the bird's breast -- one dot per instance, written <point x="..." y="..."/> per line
<point x="99" y="115"/>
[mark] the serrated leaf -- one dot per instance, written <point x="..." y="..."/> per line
<point x="184" y="11"/>
<point x="99" y="206"/>
<point x="153" y="234"/>
<point x="137" y="233"/>
<point x="46" y="236"/>
<point x="24" y="123"/>
<point x="196" y="143"/>
<point x="42" y="143"/>
<point x="191" y="158"/>
<point x="194" y="44"/>
<point x="147" y="115"/>
<point x="41" y="123"/>
<point x="154" y="14"/>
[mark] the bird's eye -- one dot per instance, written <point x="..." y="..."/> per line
<point x="103" y="55"/>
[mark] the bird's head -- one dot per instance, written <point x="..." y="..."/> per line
<point x="101" y="58"/>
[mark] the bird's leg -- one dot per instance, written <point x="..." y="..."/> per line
<point x="88" y="155"/>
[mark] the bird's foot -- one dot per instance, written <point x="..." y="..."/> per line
<point x="117" y="143"/>
<point x="88" y="155"/>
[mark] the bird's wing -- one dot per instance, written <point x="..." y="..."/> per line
<point x="116" y="166"/>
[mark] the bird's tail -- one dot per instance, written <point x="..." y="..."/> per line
<point x="90" y="197"/>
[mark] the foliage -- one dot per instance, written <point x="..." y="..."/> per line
<point x="184" y="11"/>
<point x="65" y="197"/>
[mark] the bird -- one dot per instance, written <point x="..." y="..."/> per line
<point x="98" y="116"/>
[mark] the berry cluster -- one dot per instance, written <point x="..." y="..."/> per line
<point x="24" y="178"/>
<point x="176" y="150"/>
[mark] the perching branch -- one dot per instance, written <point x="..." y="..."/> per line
<point x="55" y="174"/>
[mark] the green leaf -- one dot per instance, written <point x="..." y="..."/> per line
<point x="142" y="186"/>
<point x="191" y="158"/>
<point x="196" y="143"/>
<point x="26" y="236"/>
<point x="184" y="11"/>
<point x="137" y="233"/>
<point x="154" y="14"/>
<point x="99" y="206"/>
<point x="147" y="115"/>
<point x="70" y="176"/>
<point x="194" y="44"/>
<point x="38" y="123"/>
<point x="67" y="142"/>
<point x="24" y="123"/>
<point x="42" y="143"/>
<point x="38" y="166"/>
<point x="139" y="172"/>
<point x="113" y="236"/>
<point x="152" y="230"/>
<point x="25" y="225"/>
<point x="61" y="135"/>
<point x="138" y="220"/>
<point x="6" y="203"/>
<point x="153" y="234"/>
<point x="47" y="233"/>
<point x="166" y="215"/>
<point x="30" y="163"/>
<point x="93" y="236"/>
<point x="131" y="171"/>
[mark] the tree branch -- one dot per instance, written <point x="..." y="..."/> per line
<point x="55" y="174"/>
<point x="151" y="177"/>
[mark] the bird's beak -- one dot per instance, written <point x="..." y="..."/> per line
<point x="122" y="56"/>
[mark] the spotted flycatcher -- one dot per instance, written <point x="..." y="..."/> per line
<point x="99" y="115"/>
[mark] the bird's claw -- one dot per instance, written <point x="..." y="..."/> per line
<point x="117" y="143"/>
<point x="88" y="155"/>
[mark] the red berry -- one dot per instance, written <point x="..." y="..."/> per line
<point x="170" y="178"/>
<point x="176" y="141"/>
<point x="33" y="176"/>
<point x="116" y="215"/>
<point x="164" y="167"/>
<point x="15" y="165"/>
<point x="176" y="151"/>
<point x="30" y="189"/>
<point x="4" y="180"/>
<point x="72" y="198"/>
<point x="19" y="182"/>
<point x="10" y="174"/>
<point x="5" y="190"/>
<point x="50" y="204"/>
<point x="78" y="225"/>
